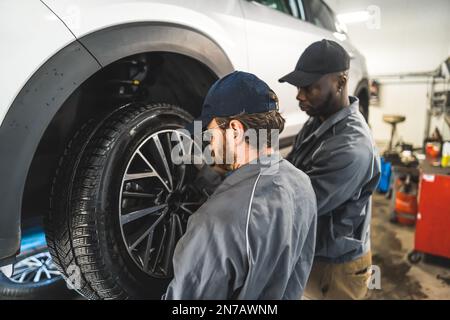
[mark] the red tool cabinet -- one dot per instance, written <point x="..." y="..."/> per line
<point x="433" y="219"/>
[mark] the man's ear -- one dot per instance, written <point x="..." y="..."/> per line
<point x="238" y="131"/>
<point x="342" y="81"/>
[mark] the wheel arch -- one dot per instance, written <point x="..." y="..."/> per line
<point x="58" y="78"/>
<point x="362" y="92"/>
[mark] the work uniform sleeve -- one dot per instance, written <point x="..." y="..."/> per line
<point x="291" y="155"/>
<point x="303" y="267"/>
<point x="338" y="171"/>
<point x="204" y="264"/>
<point x="304" y="131"/>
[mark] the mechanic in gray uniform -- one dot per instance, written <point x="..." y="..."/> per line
<point x="254" y="237"/>
<point x="336" y="150"/>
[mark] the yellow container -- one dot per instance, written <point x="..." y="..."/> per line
<point x="445" y="161"/>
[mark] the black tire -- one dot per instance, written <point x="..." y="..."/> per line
<point x="364" y="104"/>
<point x="83" y="227"/>
<point x="415" y="257"/>
<point x="393" y="218"/>
<point x="53" y="288"/>
<point x="389" y="194"/>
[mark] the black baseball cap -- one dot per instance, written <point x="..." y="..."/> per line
<point x="236" y="93"/>
<point x="320" y="58"/>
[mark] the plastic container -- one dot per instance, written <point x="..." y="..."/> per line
<point x="445" y="160"/>
<point x="383" y="185"/>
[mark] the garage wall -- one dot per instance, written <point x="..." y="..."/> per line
<point x="413" y="36"/>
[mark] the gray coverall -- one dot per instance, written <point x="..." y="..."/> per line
<point x="253" y="238"/>
<point x="339" y="157"/>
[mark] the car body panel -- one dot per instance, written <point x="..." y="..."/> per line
<point x="218" y="20"/>
<point x="276" y="41"/>
<point x="58" y="44"/>
<point x="281" y="38"/>
<point x="24" y="125"/>
<point x="240" y="27"/>
<point x="23" y="52"/>
<point x="28" y="47"/>
<point x="32" y="111"/>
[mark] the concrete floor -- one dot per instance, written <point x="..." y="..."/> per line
<point x="391" y="243"/>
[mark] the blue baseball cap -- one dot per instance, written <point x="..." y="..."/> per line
<point x="236" y="93"/>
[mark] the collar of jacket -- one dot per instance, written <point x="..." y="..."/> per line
<point x="335" y="118"/>
<point x="249" y="170"/>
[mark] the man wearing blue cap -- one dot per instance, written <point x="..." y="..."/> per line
<point x="254" y="237"/>
<point x="336" y="150"/>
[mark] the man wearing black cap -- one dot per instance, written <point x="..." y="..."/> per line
<point x="336" y="150"/>
<point x="254" y="237"/>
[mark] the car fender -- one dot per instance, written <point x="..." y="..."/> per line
<point x="47" y="89"/>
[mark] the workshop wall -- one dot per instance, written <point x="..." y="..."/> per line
<point x="401" y="45"/>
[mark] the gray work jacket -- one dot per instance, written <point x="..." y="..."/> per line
<point x="253" y="238"/>
<point x="341" y="160"/>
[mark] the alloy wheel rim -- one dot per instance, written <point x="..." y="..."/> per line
<point x="156" y="201"/>
<point x="34" y="269"/>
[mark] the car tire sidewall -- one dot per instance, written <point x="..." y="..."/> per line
<point x="132" y="134"/>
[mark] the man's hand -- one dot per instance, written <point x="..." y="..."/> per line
<point x="208" y="179"/>
<point x="219" y="169"/>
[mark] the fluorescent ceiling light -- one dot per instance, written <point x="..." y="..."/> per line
<point x="354" y="17"/>
<point x="340" y="36"/>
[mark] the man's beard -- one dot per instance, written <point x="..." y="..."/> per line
<point x="222" y="160"/>
<point x="324" y="108"/>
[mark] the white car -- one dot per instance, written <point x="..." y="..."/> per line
<point x="92" y="91"/>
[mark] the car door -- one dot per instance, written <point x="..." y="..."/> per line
<point x="319" y="14"/>
<point x="277" y="34"/>
<point x="278" y="31"/>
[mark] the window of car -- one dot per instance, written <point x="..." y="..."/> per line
<point x="301" y="9"/>
<point x="318" y="13"/>
<point x="286" y="6"/>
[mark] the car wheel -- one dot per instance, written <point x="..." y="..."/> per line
<point x="35" y="276"/>
<point x="415" y="257"/>
<point x="120" y="203"/>
<point x="364" y="104"/>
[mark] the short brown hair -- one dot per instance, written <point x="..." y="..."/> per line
<point x="271" y="120"/>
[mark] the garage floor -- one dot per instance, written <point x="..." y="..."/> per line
<point x="429" y="279"/>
